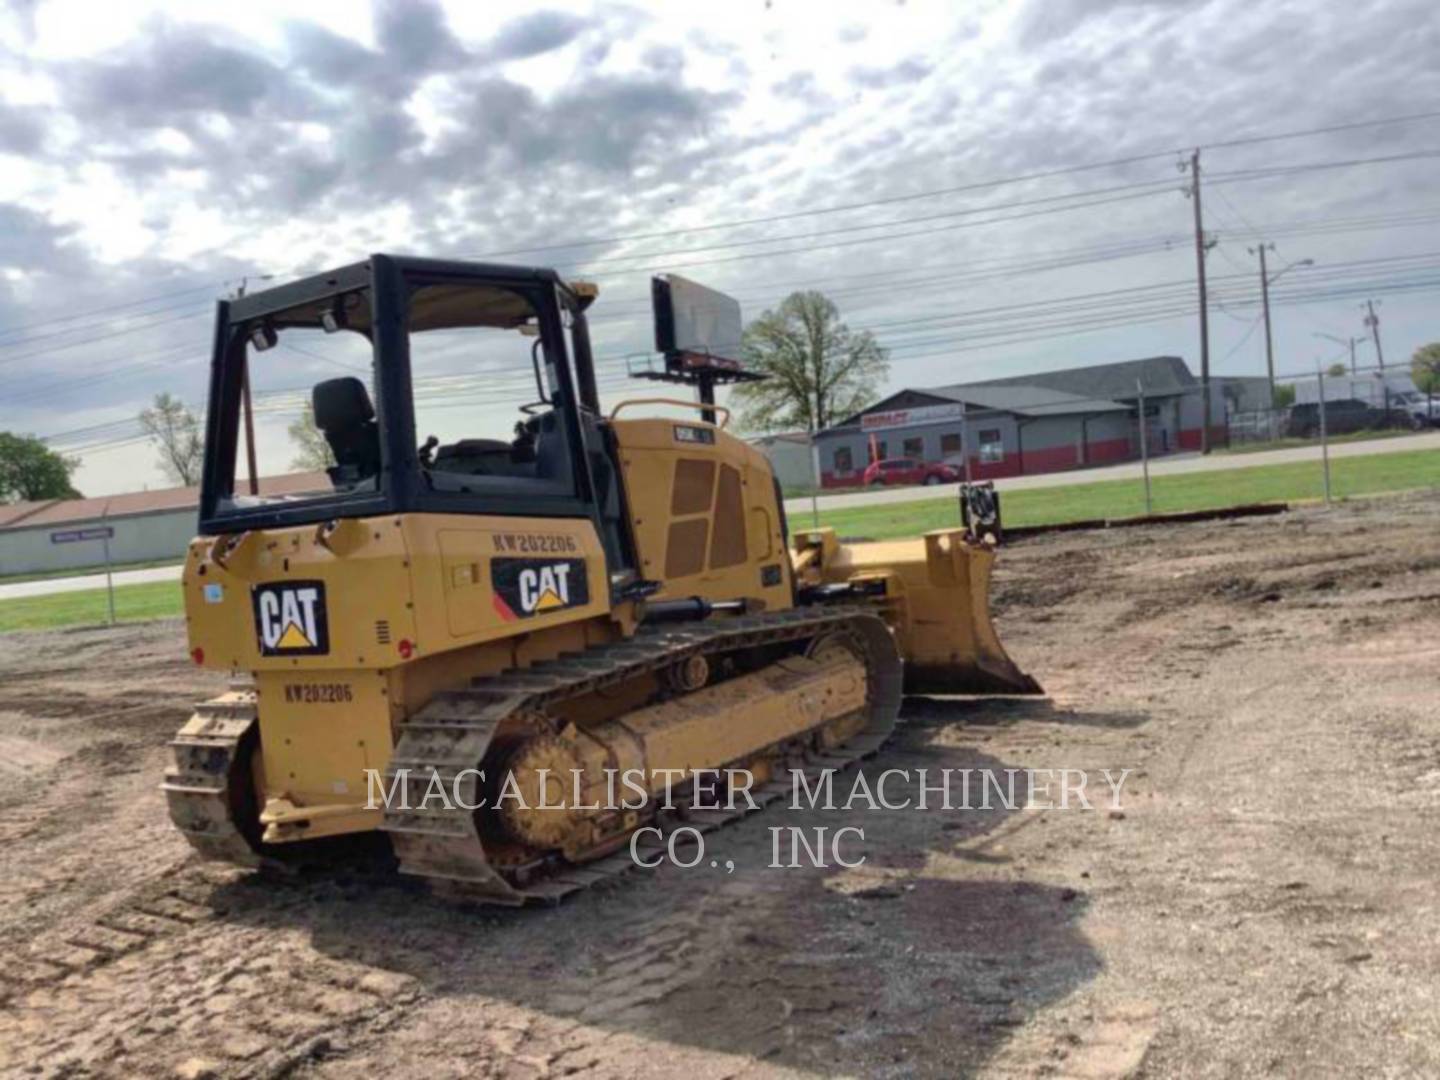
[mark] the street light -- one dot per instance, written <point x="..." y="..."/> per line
<point x="1290" y="266"/>
<point x="1350" y="342"/>
<point x="1265" y="280"/>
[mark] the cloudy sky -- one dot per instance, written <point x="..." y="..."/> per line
<point x="152" y="155"/>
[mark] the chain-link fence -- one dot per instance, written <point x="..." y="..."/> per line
<point x="1148" y="447"/>
<point x="1354" y="405"/>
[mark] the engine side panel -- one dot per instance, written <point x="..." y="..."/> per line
<point x="703" y="512"/>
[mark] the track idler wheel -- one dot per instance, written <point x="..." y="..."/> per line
<point x="541" y="771"/>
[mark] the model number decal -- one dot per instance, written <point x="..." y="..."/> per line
<point x="318" y="693"/>
<point x="535" y="543"/>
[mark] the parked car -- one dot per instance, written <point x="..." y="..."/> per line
<point x="894" y="472"/>
<point x="1341" y="418"/>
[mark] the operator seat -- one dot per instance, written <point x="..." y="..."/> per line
<point x="344" y="414"/>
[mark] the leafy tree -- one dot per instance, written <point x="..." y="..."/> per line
<point x="31" y="471"/>
<point x="818" y="370"/>
<point x="1425" y="369"/>
<point x="314" y="452"/>
<point x="1284" y="396"/>
<point x="1337" y="370"/>
<point x="174" y="428"/>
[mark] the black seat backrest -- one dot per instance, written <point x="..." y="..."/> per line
<point x="344" y="414"/>
<point x="552" y="457"/>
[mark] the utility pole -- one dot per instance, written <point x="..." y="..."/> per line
<point x="1144" y="445"/>
<point x="1349" y="343"/>
<point x="1265" y="280"/>
<point x="1373" y="322"/>
<point x="1204" y="306"/>
<point x="1269" y="341"/>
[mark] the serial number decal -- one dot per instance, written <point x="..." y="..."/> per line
<point x="535" y="543"/>
<point x="318" y="693"/>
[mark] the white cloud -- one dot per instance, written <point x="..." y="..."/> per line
<point x="161" y="146"/>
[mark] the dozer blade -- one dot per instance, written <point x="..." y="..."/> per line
<point x="936" y="593"/>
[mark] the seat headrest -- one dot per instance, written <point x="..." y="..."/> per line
<point x="341" y="403"/>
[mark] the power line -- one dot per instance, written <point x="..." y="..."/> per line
<point x="46" y="351"/>
<point x="949" y="345"/>
<point x="90" y="313"/>
<point x="961" y="189"/>
<point x="1252" y="174"/>
<point x="1129" y="303"/>
<point x="1144" y="185"/>
<point x="1250" y="140"/>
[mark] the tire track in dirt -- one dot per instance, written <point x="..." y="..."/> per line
<point x="164" y="981"/>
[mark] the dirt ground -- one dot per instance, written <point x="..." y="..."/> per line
<point x="1264" y="902"/>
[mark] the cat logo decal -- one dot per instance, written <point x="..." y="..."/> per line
<point x="291" y="619"/>
<point x="528" y="587"/>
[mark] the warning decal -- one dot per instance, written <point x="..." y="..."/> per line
<point x="526" y="587"/>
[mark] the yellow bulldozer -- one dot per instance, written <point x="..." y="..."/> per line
<point x="462" y="642"/>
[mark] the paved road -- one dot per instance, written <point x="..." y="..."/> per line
<point x="1179" y="463"/>
<point x="89" y="581"/>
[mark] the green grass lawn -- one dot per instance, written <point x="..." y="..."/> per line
<point x="1126" y="498"/>
<point x="1074" y="502"/>
<point x="133" y="603"/>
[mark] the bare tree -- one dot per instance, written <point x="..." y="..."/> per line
<point x="819" y="370"/>
<point x="314" y="449"/>
<point x="174" y="428"/>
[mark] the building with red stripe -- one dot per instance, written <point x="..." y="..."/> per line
<point x="1044" y="422"/>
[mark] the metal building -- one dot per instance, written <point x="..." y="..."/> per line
<point x="1036" y="423"/>
<point x="142" y="526"/>
<point x="789" y="455"/>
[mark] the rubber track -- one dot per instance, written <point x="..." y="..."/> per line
<point x="452" y="732"/>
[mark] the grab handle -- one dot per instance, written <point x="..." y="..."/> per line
<point x="673" y="401"/>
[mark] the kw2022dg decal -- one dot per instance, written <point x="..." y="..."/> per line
<point x="291" y="620"/>
<point x="528" y="587"/>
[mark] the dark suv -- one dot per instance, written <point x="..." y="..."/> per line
<point x="1341" y="418"/>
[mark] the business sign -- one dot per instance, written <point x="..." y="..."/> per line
<point x="923" y="414"/>
<point x="693" y="321"/>
<point x="74" y="536"/>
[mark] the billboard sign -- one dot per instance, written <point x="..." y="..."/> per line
<point x="74" y="536"/>
<point x="694" y="324"/>
<point x="923" y="414"/>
